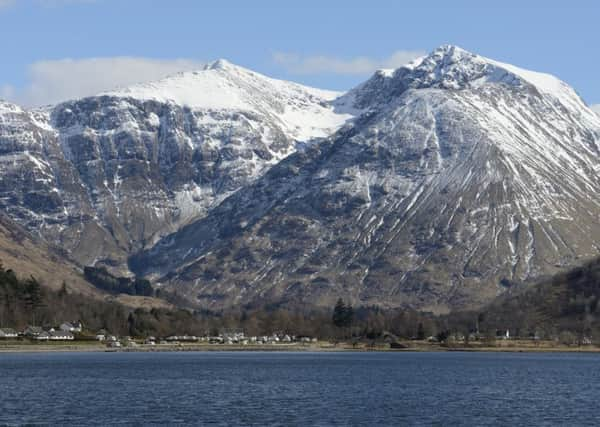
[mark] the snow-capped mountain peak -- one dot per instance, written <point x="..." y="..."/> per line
<point x="303" y="112"/>
<point x="451" y="67"/>
<point x="220" y="64"/>
<point x="465" y="175"/>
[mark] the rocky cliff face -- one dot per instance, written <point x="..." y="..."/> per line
<point x="440" y="184"/>
<point x="106" y="176"/>
<point x="464" y="176"/>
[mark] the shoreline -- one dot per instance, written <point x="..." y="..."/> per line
<point x="283" y="348"/>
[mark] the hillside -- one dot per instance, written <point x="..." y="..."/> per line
<point x="29" y="256"/>
<point x="567" y="301"/>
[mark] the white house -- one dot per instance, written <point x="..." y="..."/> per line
<point x="71" y="327"/>
<point x="8" y="333"/>
<point x="60" y="336"/>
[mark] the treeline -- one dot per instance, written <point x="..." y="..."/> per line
<point x="564" y="307"/>
<point x="102" y="279"/>
<point x="340" y="322"/>
<point x="26" y="302"/>
<point x="564" y="304"/>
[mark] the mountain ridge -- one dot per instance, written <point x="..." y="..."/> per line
<point x="476" y="153"/>
<point x="442" y="183"/>
<point x="129" y="170"/>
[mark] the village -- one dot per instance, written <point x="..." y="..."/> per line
<point x="81" y="338"/>
<point x="74" y="331"/>
<point x="64" y="332"/>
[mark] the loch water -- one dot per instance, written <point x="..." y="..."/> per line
<point x="289" y="389"/>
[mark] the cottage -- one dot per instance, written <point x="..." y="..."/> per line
<point x="71" y="327"/>
<point x="33" y="331"/>
<point x="42" y="336"/>
<point x="233" y="335"/>
<point x="60" y="336"/>
<point x="6" y="333"/>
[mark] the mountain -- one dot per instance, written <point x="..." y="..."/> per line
<point x="29" y="256"/>
<point x="461" y="177"/>
<point x="106" y="176"/>
<point x="436" y="186"/>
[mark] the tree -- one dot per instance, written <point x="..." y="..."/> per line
<point x="131" y="326"/>
<point x="338" y="313"/>
<point x="343" y="315"/>
<point x="420" y="331"/>
<point x="442" y="336"/>
<point x="33" y="297"/>
<point x="348" y="316"/>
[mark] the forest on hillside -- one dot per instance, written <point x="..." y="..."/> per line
<point x="564" y="304"/>
<point x="25" y="301"/>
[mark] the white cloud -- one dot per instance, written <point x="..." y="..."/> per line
<point x="58" y="80"/>
<point x="7" y="92"/>
<point x="361" y="65"/>
<point x="6" y="3"/>
<point x="596" y="108"/>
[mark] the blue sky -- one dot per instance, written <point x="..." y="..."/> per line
<point x="56" y="49"/>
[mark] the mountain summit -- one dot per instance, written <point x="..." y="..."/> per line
<point x="105" y="176"/>
<point x="437" y="185"/>
<point x="302" y="112"/>
<point x="464" y="177"/>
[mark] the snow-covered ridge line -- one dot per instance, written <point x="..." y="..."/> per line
<point x="304" y="112"/>
<point x="107" y="176"/>
<point x="466" y="177"/>
<point x="451" y="67"/>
